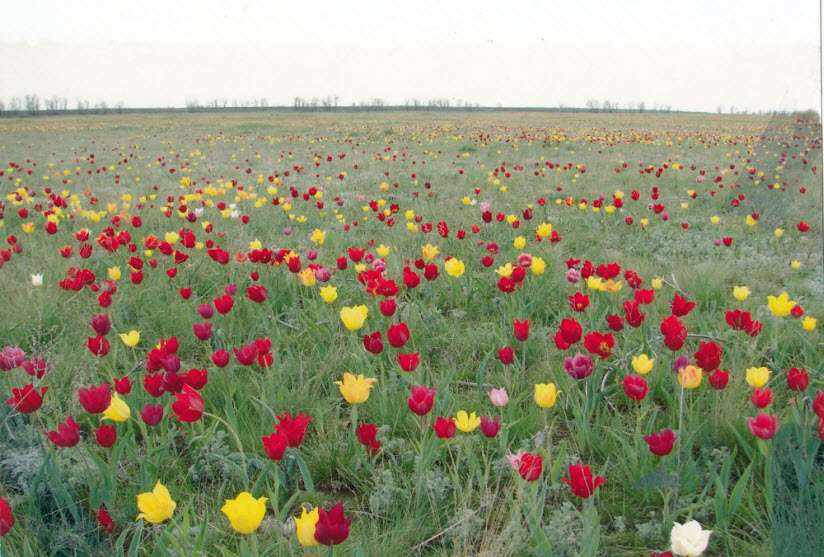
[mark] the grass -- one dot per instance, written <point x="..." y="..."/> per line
<point x="418" y="495"/>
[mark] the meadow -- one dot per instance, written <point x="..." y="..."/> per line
<point x="503" y="333"/>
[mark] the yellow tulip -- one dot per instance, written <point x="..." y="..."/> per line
<point x="690" y="377"/>
<point x="657" y="283"/>
<point x="466" y="423"/>
<point x="307" y="277"/>
<point x="538" y="266"/>
<point x="595" y="283"/>
<point x="809" y="323"/>
<point x="118" y="410"/>
<point x="355" y="389"/>
<point x="519" y="242"/>
<point x="382" y="250"/>
<point x="757" y="377"/>
<point x="131" y="338"/>
<point x="429" y="252"/>
<point x="779" y="232"/>
<point x="612" y="286"/>
<point x="545" y="394"/>
<point x="642" y="364"/>
<point x="245" y="513"/>
<point x="740" y="293"/>
<point x="114" y="273"/>
<point x="505" y="270"/>
<point x="27" y="227"/>
<point x="329" y="294"/>
<point x="544" y="230"/>
<point x="172" y="237"/>
<point x="306" y="527"/>
<point x="780" y="306"/>
<point x="318" y="236"/>
<point x="715" y="219"/>
<point x="156" y="506"/>
<point x="795" y="264"/>
<point x="454" y="267"/>
<point x="353" y="317"/>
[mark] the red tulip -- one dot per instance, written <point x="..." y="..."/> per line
<point x="332" y="528"/>
<point x="186" y="293"/>
<point x="581" y="481"/>
<point x="761" y="398"/>
<point x="220" y="358"/>
<point x="101" y="324"/>
<point x="223" y="304"/>
<point x="531" y="466"/>
<point x="521" y="329"/>
<point x="421" y="400"/>
<point x="195" y="378"/>
<point x="490" y="428"/>
<point x="633" y="314"/>
<point x="98" y="345"/>
<point x="571" y="331"/>
<point x="188" y="406"/>
<point x="398" y="335"/>
<point x="95" y="399"/>
<point x="599" y="344"/>
<point x="635" y="387"/>
<point x="206" y="310"/>
<point x="506" y="355"/>
<point x="27" y="399"/>
<point x="388" y="307"/>
<point x="615" y="323"/>
<point x="6" y="518"/>
<point x="367" y="434"/>
<point x="152" y="414"/>
<point x="660" y="444"/>
<point x="293" y="428"/>
<point x="764" y="426"/>
<point x="373" y="343"/>
<point x="275" y="446"/>
<point x="719" y="379"/>
<point x="579" y="302"/>
<point x="681" y="307"/>
<point x="797" y="379"/>
<point x="105" y="520"/>
<point x="67" y="434"/>
<point x="105" y="435"/>
<point x="36" y="367"/>
<point x="203" y="331"/>
<point x="256" y="293"/>
<point x="708" y="356"/>
<point x="445" y="428"/>
<point x="818" y="404"/>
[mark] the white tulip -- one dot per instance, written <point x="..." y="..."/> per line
<point x="689" y="540"/>
<point x="37" y="280"/>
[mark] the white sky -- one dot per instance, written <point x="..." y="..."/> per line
<point x="692" y="55"/>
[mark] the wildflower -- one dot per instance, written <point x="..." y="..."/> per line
<point x="118" y="410"/>
<point x="294" y="429"/>
<point x="6" y="518"/>
<point x="780" y="306"/>
<point x="466" y="422"/>
<point x="579" y="366"/>
<point x="332" y="528"/>
<point x="306" y="527"/>
<point x="530" y="466"/>
<point x="498" y="397"/>
<point x="95" y="399"/>
<point x="490" y="428"/>
<point x="37" y="280"/>
<point x="757" y="377"/>
<point x="156" y="506"/>
<point x="188" y="406"/>
<point x="545" y="394"/>
<point x="642" y="364"/>
<point x="581" y="481"/>
<point x="329" y="294"/>
<point x="355" y="389"/>
<point x="353" y="317"/>
<point x="689" y="540"/>
<point x="689" y="377"/>
<point x="635" y="387"/>
<point x="27" y="399"/>
<point x="130" y="339"/>
<point x="421" y="400"/>
<point x="660" y="444"/>
<point x="444" y="427"/>
<point x="740" y="293"/>
<point x="245" y="513"/>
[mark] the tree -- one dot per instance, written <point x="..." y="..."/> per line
<point x="641" y="106"/>
<point x="191" y="104"/>
<point x="32" y="103"/>
<point x="592" y="105"/>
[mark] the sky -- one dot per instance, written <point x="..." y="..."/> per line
<point x="689" y="55"/>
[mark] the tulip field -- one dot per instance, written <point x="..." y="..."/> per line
<point x="489" y="333"/>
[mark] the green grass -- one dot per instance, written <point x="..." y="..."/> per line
<point x="418" y="495"/>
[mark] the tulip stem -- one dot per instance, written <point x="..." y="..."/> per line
<point x="234" y="435"/>
<point x="680" y="437"/>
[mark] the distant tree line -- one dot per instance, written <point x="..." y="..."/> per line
<point x="32" y="105"/>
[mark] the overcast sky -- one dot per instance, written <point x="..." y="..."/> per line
<point x="691" y="55"/>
